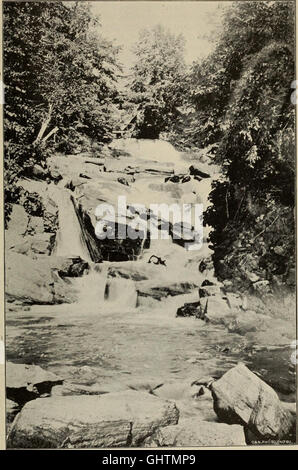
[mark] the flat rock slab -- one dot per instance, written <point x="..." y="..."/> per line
<point x="27" y="382"/>
<point x="112" y="420"/>
<point x="241" y="397"/>
<point x="192" y="433"/>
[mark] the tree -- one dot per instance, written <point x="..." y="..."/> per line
<point x="241" y="96"/>
<point x="60" y="80"/>
<point x="157" y="80"/>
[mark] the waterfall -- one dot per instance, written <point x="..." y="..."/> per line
<point x="121" y="292"/>
<point x="92" y="287"/>
<point x="69" y="240"/>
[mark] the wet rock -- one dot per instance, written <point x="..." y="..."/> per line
<point x="101" y="233"/>
<point x="192" y="432"/>
<point x="163" y="289"/>
<point x="27" y="382"/>
<point x="113" y="420"/>
<point x="69" y="267"/>
<point x="173" y="179"/>
<point x="42" y="243"/>
<point x="206" y="291"/>
<point x="241" y="397"/>
<point x="195" y="170"/>
<point x="45" y="287"/>
<point x="18" y="222"/>
<point x="191" y="309"/>
<point x="133" y="272"/>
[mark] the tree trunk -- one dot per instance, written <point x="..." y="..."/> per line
<point x="44" y="126"/>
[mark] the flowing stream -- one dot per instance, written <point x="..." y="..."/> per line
<point x="118" y="336"/>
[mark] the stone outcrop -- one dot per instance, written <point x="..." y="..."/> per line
<point x="159" y="290"/>
<point x="27" y="382"/>
<point x="45" y="286"/>
<point x="241" y="397"/>
<point x="112" y="420"/>
<point x="68" y="267"/>
<point x="197" y="171"/>
<point x="192" y="433"/>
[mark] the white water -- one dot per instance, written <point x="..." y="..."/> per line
<point x="69" y="241"/>
<point x="121" y="292"/>
<point x="156" y="150"/>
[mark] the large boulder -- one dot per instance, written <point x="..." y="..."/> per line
<point x="45" y="286"/>
<point x="69" y="267"/>
<point x="26" y="382"/>
<point x="192" y="432"/>
<point x="113" y="420"/>
<point x="241" y="397"/>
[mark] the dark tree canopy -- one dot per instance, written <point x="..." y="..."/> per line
<point x="157" y="80"/>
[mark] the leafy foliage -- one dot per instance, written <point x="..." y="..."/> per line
<point x="241" y="100"/>
<point x="157" y="80"/>
<point x="60" y="83"/>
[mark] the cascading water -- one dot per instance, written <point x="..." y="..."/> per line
<point x="118" y="327"/>
<point x="69" y="241"/>
<point x="121" y="292"/>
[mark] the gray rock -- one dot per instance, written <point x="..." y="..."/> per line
<point x="113" y="420"/>
<point x="158" y="290"/>
<point x="45" y="286"/>
<point x="12" y="409"/>
<point x="192" y="432"/>
<point x="42" y="243"/>
<point x="206" y="291"/>
<point x="18" y="220"/>
<point x="69" y="267"/>
<point x="240" y="397"/>
<point x="195" y="170"/>
<point x="26" y="382"/>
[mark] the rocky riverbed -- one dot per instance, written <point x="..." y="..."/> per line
<point x="107" y="349"/>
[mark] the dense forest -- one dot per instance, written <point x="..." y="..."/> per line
<point x="62" y="93"/>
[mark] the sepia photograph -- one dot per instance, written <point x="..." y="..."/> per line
<point x="149" y="184"/>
